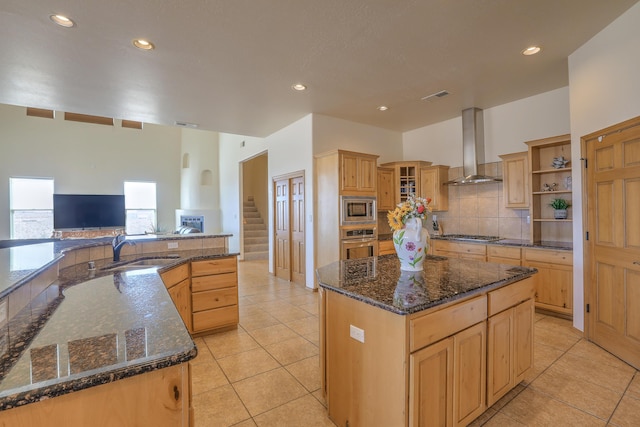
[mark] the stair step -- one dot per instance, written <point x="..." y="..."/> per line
<point x="256" y="248"/>
<point x="255" y="240"/>
<point x="255" y="214"/>
<point x="253" y="221"/>
<point x="256" y="233"/>
<point x="253" y="256"/>
<point x="250" y="226"/>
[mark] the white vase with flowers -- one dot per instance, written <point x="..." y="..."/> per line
<point x="409" y="237"/>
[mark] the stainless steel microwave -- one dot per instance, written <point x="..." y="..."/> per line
<point x="357" y="210"/>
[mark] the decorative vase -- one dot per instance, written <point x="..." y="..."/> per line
<point x="560" y="214"/>
<point x="411" y="244"/>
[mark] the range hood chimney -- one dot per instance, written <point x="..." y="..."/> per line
<point x="472" y="149"/>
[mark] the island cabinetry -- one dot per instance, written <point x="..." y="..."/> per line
<point x="515" y="170"/>
<point x="450" y="249"/>
<point x="214" y="293"/>
<point x="156" y="398"/>
<point x="554" y="281"/>
<point x="432" y="181"/>
<point x="178" y="284"/>
<point x="386" y="185"/>
<point x="504" y="254"/>
<point x="448" y="365"/>
<point x="510" y="337"/>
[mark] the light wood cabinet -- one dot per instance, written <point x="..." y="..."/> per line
<point x="178" y="283"/>
<point x="156" y="398"/>
<point x="385" y="247"/>
<point x="407" y="178"/>
<point x="509" y="338"/>
<point x="386" y="193"/>
<point x="515" y="187"/>
<point x="358" y="173"/>
<point x="554" y="281"/>
<point x="432" y="181"/>
<point x="214" y="294"/>
<point x="504" y="254"/>
<point x="544" y="177"/>
<point x="451" y="249"/>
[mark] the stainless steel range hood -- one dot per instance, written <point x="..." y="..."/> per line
<point x="472" y="149"/>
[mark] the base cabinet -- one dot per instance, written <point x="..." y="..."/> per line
<point x="554" y="281"/>
<point x="440" y="367"/>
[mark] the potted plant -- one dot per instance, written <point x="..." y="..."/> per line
<point x="560" y="207"/>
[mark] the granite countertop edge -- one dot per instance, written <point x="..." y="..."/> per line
<point x="561" y="246"/>
<point x="422" y="307"/>
<point x="71" y="385"/>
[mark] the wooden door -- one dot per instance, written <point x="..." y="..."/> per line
<point x="613" y="248"/>
<point x="298" y="258"/>
<point x="282" y="255"/>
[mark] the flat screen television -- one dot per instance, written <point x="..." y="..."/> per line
<point x="81" y="211"/>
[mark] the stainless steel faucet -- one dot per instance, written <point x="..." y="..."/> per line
<point x="118" y="242"/>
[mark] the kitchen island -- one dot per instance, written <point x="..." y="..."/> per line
<point x="96" y="346"/>
<point x="435" y="347"/>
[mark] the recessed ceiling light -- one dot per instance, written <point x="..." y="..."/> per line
<point x="143" y="44"/>
<point x="62" y="20"/>
<point x="299" y="87"/>
<point x="532" y="50"/>
<point x="383" y="108"/>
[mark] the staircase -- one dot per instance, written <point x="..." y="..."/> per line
<point x="256" y="236"/>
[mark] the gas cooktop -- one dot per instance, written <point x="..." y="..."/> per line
<point x="470" y="237"/>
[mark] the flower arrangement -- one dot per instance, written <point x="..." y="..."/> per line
<point x="413" y="207"/>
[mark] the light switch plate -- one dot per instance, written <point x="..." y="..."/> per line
<point x="356" y="333"/>
<point x="172" y="245"/>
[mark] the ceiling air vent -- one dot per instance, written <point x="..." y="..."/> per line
<point x="187" y="125"/>
<point x="440" y="94"/>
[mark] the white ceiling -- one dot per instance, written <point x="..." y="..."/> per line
<point x="229" y="65"/>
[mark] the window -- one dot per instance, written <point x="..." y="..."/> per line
<point x="31" y="206"/>
<point x="140" y="205"/>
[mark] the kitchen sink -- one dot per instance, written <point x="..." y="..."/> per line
<point x="141" y="263"/>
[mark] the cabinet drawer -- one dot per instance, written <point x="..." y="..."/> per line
<point x="385" y="247"/>
<point x="459" y="247"/>
<point x="213" y="266"/>
<point x="432" y="327"/>
<point x="510" y="295"/>
<point x="548" y="256"/>
<point x="215" y="318"/>
<point x="503" y="252"/>
<point x="218" y="281"/>
<point x="175" y="275"/>
<point x="214" y="299"/>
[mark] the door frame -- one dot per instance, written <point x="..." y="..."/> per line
<point x="272" y="231"/>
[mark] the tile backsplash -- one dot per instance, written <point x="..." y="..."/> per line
<point x="478" y="209"/>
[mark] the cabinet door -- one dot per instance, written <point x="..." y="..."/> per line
<point x="432" y="181"/>
<point x="523" y="339"/>
<point x="500" y="355"/>
<point x="431" y="385"/>
<point x="554" y="287"/>
<point x="515" y="170"/>
<point x="469" y="375"/>
<point x="349" y="172"/>
<point x="386" y="187"/>
<point x="367" y="175"/>
<point x="181" y="297"/>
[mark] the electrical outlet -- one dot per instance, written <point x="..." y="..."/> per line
<point x="172" y="245"/>
<point x="356" y="333"/>
<point x="528" y="219"/>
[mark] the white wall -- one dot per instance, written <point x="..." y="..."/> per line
<point x="330" y="133"/>
<point x="202" y="150"/>
<point x="88" y="158"/>
<point x="605" y="90"/>
<point x="506" y="128"/>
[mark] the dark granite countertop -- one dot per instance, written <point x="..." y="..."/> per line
<point x="566" y="246"/>
<point x="380" y="282"/>
<point x="90" y="327"/>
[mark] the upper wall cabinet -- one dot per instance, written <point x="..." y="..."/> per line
<point x="515" y="169"/>
<point x="407" y="178"/>
<point x="358" y="173"/>
<point x="432" y="181"/>
<point x="386" y="186"/>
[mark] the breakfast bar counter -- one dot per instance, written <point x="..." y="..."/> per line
<point x="433" y="347"/>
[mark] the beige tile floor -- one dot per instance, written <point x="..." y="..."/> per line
<point x="266" y="373"/>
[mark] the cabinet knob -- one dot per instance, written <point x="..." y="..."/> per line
<point x="636" y="262"/>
